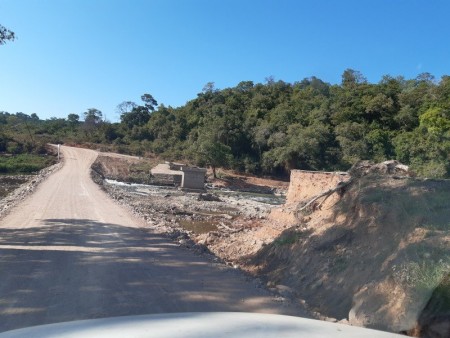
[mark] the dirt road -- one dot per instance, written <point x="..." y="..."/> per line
<point x="69" y="252"/>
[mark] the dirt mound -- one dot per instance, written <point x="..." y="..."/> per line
<point x="391" y="167"/>
<point x="124" y="168"/>
<point x="374" y="258"/>
<point x="248" y="184"/>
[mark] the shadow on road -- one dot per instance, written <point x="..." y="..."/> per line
<point x="69" y="269"/>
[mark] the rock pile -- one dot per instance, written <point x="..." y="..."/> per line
<point x="391" y="167"/>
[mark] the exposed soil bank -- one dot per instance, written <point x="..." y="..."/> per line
<point x="375" y="257"/>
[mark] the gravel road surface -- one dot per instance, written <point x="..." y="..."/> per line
<point x="68" y="252"/>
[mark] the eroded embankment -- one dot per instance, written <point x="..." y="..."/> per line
<point x="376" y="259"/>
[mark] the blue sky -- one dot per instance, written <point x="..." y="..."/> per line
<point x="72" y="55"/>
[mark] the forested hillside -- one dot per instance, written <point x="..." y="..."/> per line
<point x="273" y="127"/>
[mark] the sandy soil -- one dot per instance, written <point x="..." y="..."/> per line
<point x="68" y="252"/>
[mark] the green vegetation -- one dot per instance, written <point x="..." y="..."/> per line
<point x="23" y="149"/>
<point x="290" y="237"/>
<point x="339" y="264"/>
<point x="24" y="163"/>
<point x="6" y="35"/>
<point x="273" y="127"/>
<point x="424" y="275"/>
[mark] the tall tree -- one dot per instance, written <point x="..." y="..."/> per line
<point x="125" y="107"/>
<point x="138" y="116"/>
<point x="149" y="102"/>
<point x="352" y="77"/>
<point x="92" y="120"/>
<point x="93" y="116"/>
<point x="208" y="150"/>
<point x="73" y="118"/>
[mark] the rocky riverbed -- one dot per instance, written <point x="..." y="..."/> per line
<point x="200" y="220"/>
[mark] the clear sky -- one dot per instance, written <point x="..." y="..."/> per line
<point x="72" y="55"/>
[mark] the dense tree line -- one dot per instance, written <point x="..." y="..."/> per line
<point x="273" y="127"/>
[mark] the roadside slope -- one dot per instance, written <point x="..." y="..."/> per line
<point x="377" y="257"/>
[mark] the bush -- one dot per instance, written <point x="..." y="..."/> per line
<point x="14" y="148"/>
<point x="432" y="169"/>
<point x="24" y="163"/>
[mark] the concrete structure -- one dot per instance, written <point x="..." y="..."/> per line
<point x="193" y="178"/>
<point x="175" y="166"/>
<point x="179" y="174"/>
<point x="305" y="185"/>
<point x="163" y="174"/>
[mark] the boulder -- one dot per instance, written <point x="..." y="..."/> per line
<point x="208" y="198"/>
<point x="387" y="305"/>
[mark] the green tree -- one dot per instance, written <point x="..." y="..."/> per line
<point x="73" y="119"/>
<point x="352" y="78"/>
<point x="92" y="120"/>
<point x="138" y="116"/>
<point x="351" y="138"/>
<point x="125" y="107"/>
<point x="6" y="35"/>
<point x="301" y="148"/>
<point x="379" y="145"/>
<point x="208" y="150"/>
<point x="214" y="154"/>
<point x="149" y="102"/>
<point x="93" y="116"/>
<point x="436" y="120"/>
<point x="109" y="132"/>
<point x="132" y="115"/>
<point x="427" y="153"/>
